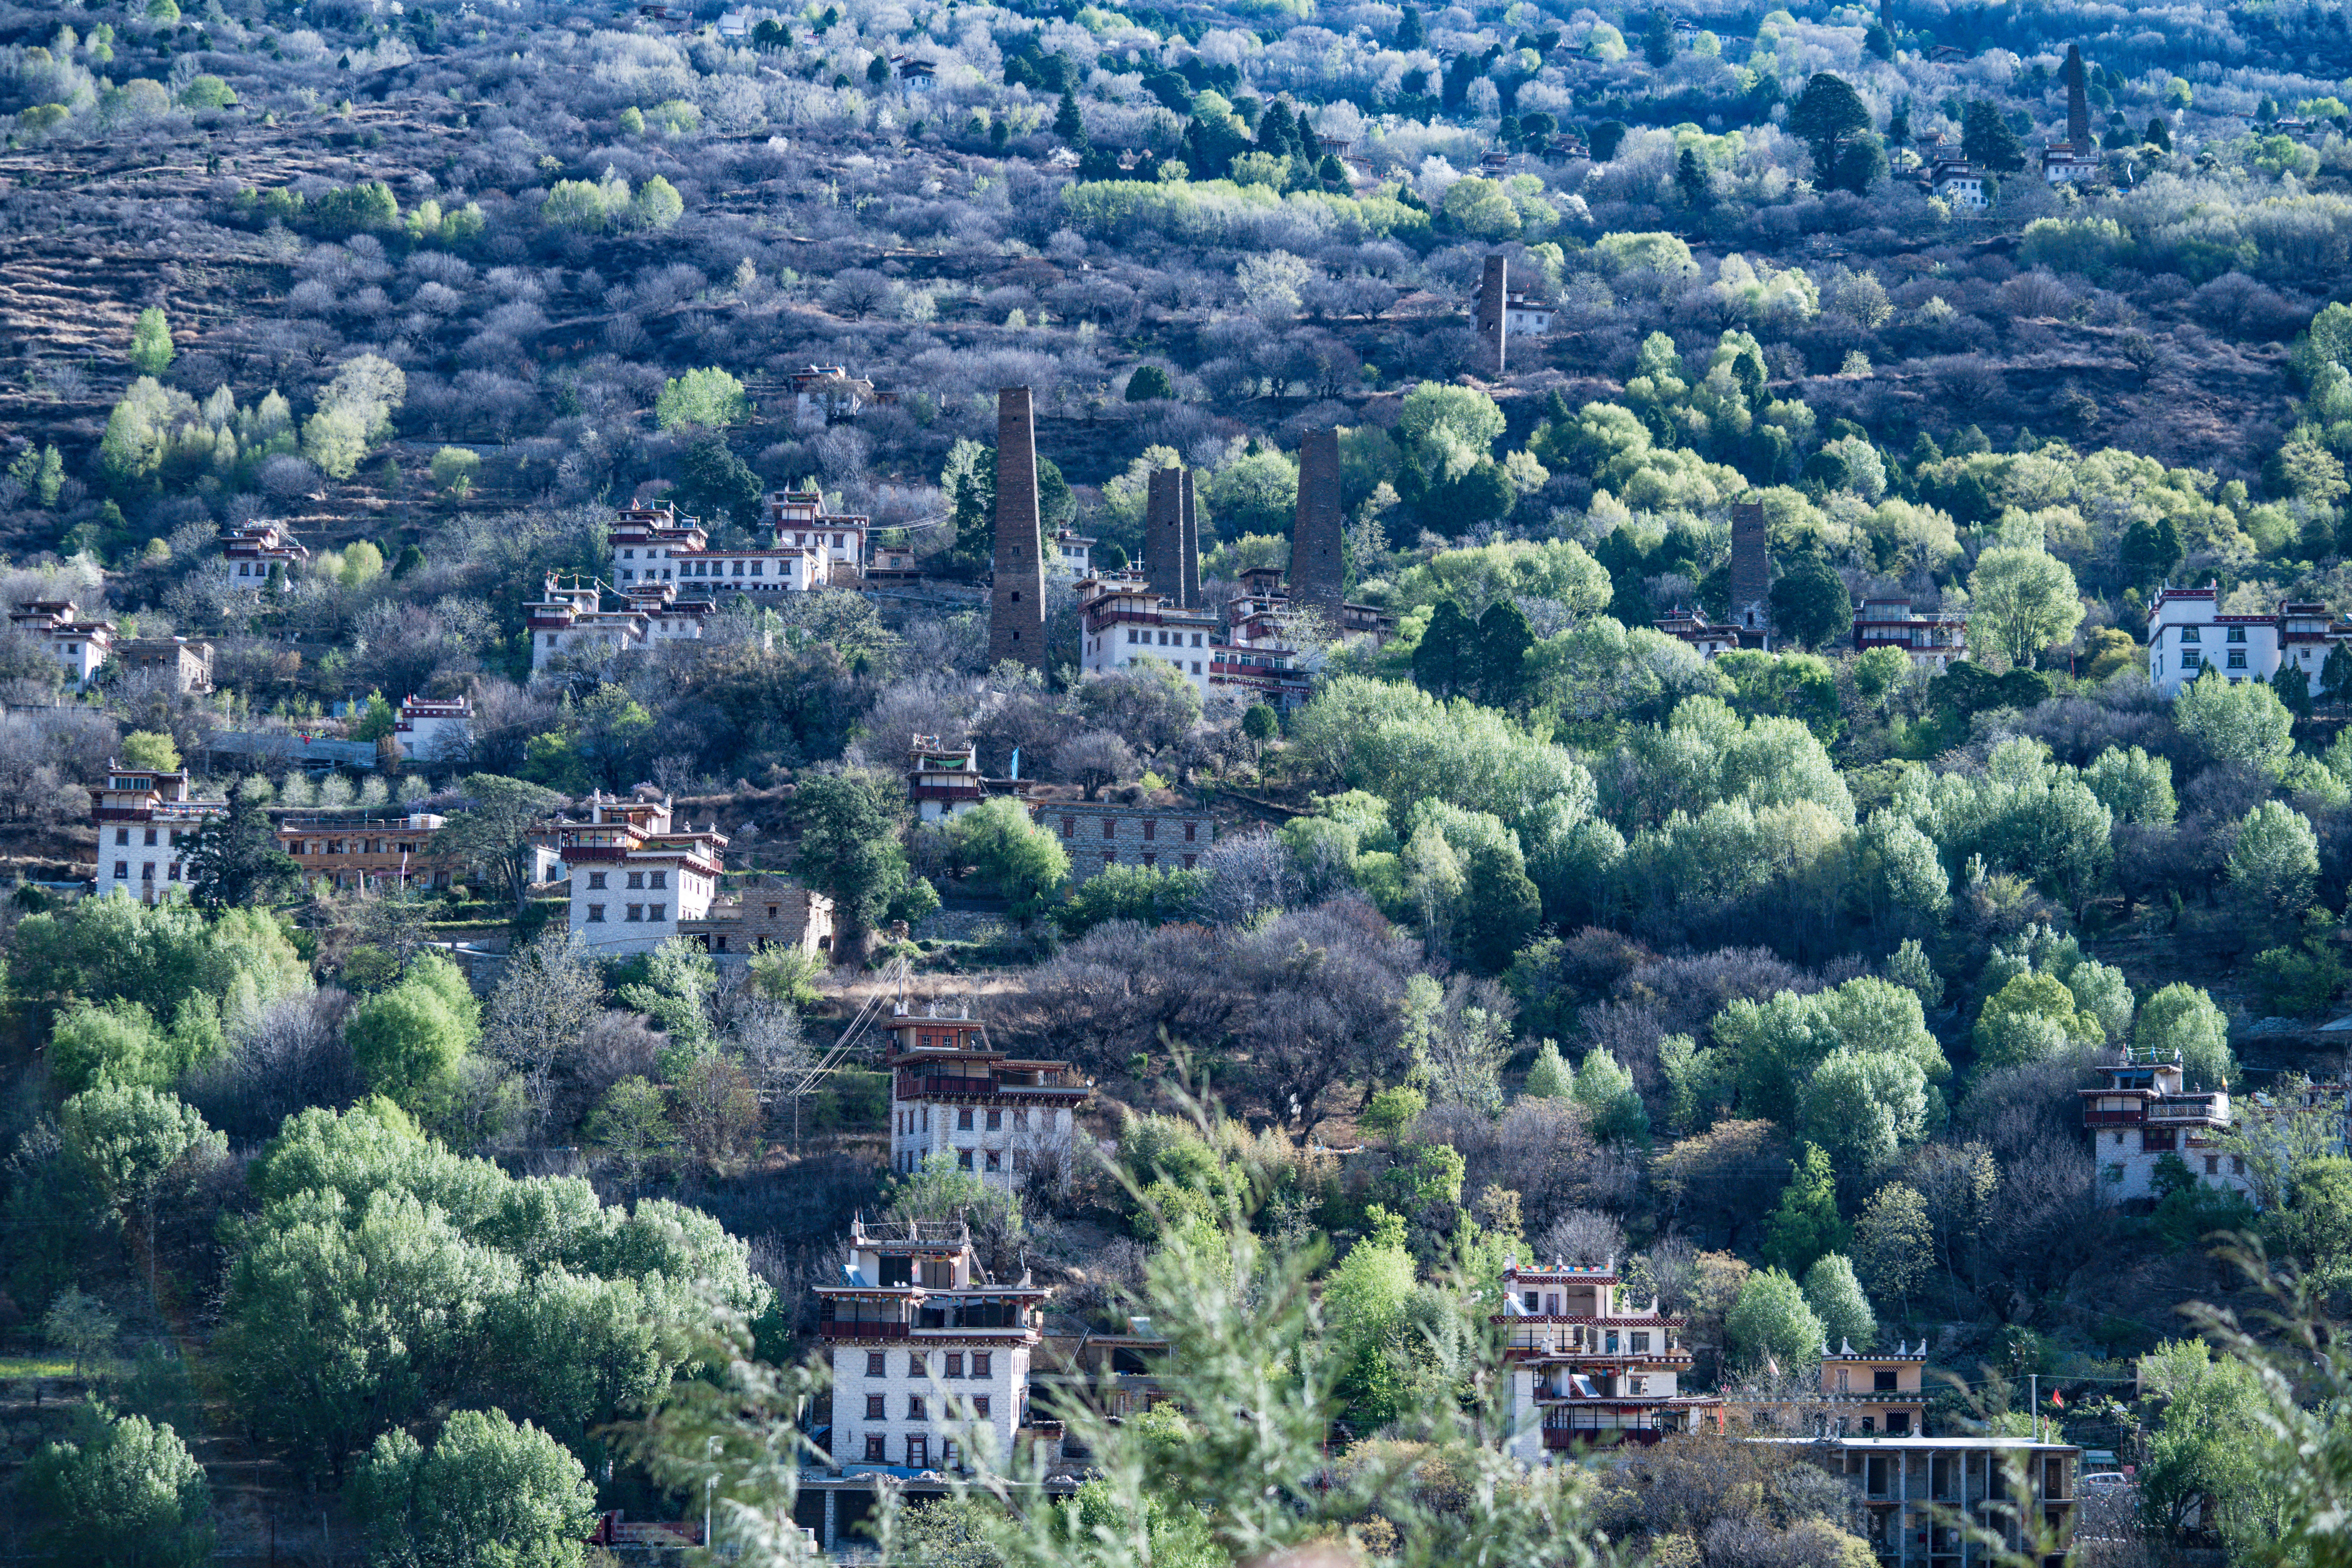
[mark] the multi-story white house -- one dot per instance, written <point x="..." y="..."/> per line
<point x="1003" y="1118"/>
<point x="569" y="621"/>
<point x="929" y="1354"/>
<point x="835" y="542"/>
<point x="1958" y="183"/>
<point x="943" y="781"/>
<point x="635" y="876"/>
<point x="1072" y="557"/>
<point x="434" y="728"/>
<point x="79" y="646"/>
<point x="146" y="819"/>
<point x="1242" y="649"/>
<point x="1932" y="640"/>
<point x="2140" y="1116"/>
<point x="2187" y="635"/>
<point x="256" y="547"/>
<point x="1588" y="1367"/>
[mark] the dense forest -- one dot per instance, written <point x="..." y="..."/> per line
<point x="369" y="1225"/>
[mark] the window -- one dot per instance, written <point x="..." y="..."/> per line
<point x="1190" y="860"/>
<point x="915" y="1407"/>
<point x="2237" y="1164"/>
<point x="963" y="1119"/>
<point x="2236" y="658"/>
<point x="122" y="870"/>
<point x="637" y="912"/>
<point x="874" y="1455"/>
<point x="995" y="1120"/>
<point x="1110" y="828"/>
<point x="980" y="1404"/>
<point x="595" y="914"/>
<point x="2237" y="633"/>
<point x="995" y="1160"/>
<point x="919" y="1453"/>
<point x="2190" y="659"/>
<point x="637" y="878"/>
<point x="1640" y="1345"/>
<point x="1151" y="860"/>
<point x="1151" y="830"/>
<point x="2212" y="1165"/>
<point x="1636" y="1384"/>
<point x="1069" y="827"/>
<point x="980" y="1360"/>
<point x="955" y="1364"/>
<point x="596" y="881"/>
<point x="875" y="1364"/>
<point x="660" y="880"/>
<point x="1191" y="829"/>
<point x="150" y="835"/>
<point x="917" y="1365"/>
<point x="874" y="1407"/>
<point x="1531" y="1300"/>
<point x="2190" y="634"/>
<point x="122" y="835"/>
<point x="964" y="1159"/>
<point x="1131" y="635"/>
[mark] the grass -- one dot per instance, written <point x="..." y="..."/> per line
<point x="34" y="1366"/>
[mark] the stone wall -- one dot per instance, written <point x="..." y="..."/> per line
<point x="1016" y="606"/>
<point x="1318" y="571"/>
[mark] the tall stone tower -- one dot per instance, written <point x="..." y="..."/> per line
<point x="1318" y="571"/>
<point x="1751" y="575"/>
<point x="2078" y="101"/>
<point x="1492" y="328"/>
<point x="1016" y="605"/>
<point x="1188" y="554"/>
<point x="1165" y="544"/>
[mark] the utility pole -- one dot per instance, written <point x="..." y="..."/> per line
<point x="2034" y="1383"/>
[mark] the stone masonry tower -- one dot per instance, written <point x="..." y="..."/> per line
<point x="1188" y="554"/>
<point x="1492" y="328"/>
<point x="2078" y="101"/>
<point x="1164" y="534"/>
<point x="1751" y="575"/>
<point x="1317" y="569"/>
<point x="1016" y="605"/>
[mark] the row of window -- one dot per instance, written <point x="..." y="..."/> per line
<point x="122" y="835"/>
<point x="909" y="1161"/>
<point x="2192" y="634"/>
<point x="352" y="847"/>
<point x="638" y="879"/>
<point x="1135" y="634"/>
<point x="1023" y="1121"/>
<point x="1110" y="829"/>
<point x="146" y="871"/>
<point x="919" y="1364"/>
<point x="655" y="912"/>
<point x="915" y="1407"/>
<point x="918" y="1451"/>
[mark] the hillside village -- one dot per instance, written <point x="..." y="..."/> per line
<point x="1298" y="785"/>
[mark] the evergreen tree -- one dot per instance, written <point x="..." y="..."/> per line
<point x="2292" y="684"/>
<point x="1825" y="114"/>
<point x="1987" y="140"/>
<point x="2335" y="675"/>
<point x="1069" y="124"/>
<point x="1551" y="1078"/>
<point x="235" y="861"/>
<point x="1446" y="662"/>
<point x="1503" y="638"/>
<point x="1807" y="1223"/>
<point x="1658" y="40"/>
<point x="1690" y="179"/>
<point x="1412" y="33"/>
<point x="1836" y="1297"/>
<point x="150" y="343"/>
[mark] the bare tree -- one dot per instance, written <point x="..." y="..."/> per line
<point x="542" y="1007"/>
<point x="1094" y="758"/>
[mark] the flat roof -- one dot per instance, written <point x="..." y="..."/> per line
<point x="1880" y="1440"/>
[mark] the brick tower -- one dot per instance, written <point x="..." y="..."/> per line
<point x="1492" y="329"/>
<point x="1316" y="568"/>
<point x="2078" y="101"/>
<point x="1163" y="534"/>
<point x="1751" y="575"/>
<point x="1016" y="605"/>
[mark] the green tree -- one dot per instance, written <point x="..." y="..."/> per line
<point x="2317" y="1225"/>
<point x="491" y="829"/>
<point x="122" y="1493"/>
<point x="1864" y="1107"/>
<point x="2024" y="599"/>
<point x="1549" y="1078"/>
<point x="133" y="1141"/>
<point x="1806" y="1225"/>
<point x="1894" y="1245"/>
<point x="235" y="861"/>
<point x="718" y="483"/>
<point x="1501" y="908"/>
<point x="79" y="1326"/>
<point x="709" y="398"/>
<point x="1987" y="140"/>
<point x="2031" y="1018"/>
<point x="632" y="1125"/>
<point x="1503" y="638"/>
<point x="1149" y="895"/>
<point x="454" y="469"/>
<point x="1606" y="1090"/>
<point x="1691" y="179"/>
<point x="1658" y="40"/>
<point x="849" y="850"/>
<point x="2237" y="722"/>
<point x="1445" y="662"/>
<point x="150" y="343"/>
<point x="2203" y="1450"/>
<point x="1811" y="604"/>
<point x="1150" y="383"/>
<point x="1827" y="112"/>
<point x="1010" y="854"/>
<point x="2151" y="549"/>
<point x="2274" y="863"/>
<point x="150" y="749"/>
<point x="2181" y="1018"/>
<point x="1069" y="124"/>
<point x="487" y="1494"/>
<point x="1836" y="1297"/>
<point x="1771" y="1322"/>
<point x="407" y="1041"/>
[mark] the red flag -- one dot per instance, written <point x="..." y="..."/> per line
<point x="2057" y="1399"/>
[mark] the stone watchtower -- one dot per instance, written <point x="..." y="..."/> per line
<point x="1492" y="324"/>
<point x="2078" y="101"/>
<point x="1751" y="575"/>
<point x="1316" y="566"/>
<point x="1016" y="605"/>
<point x="1170" y="547"/>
